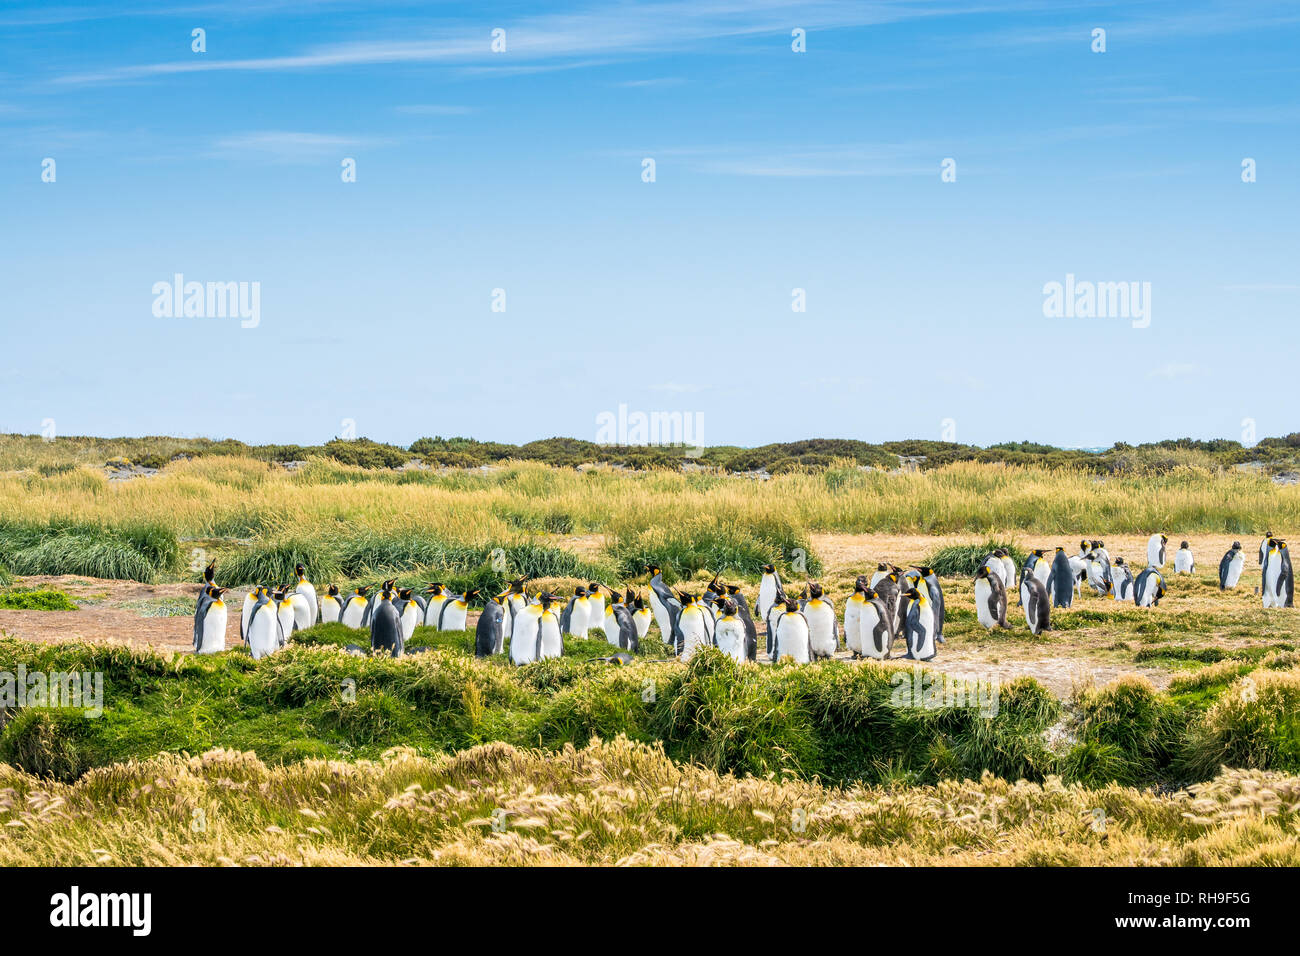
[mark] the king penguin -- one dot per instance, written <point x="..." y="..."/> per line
<point x="1278" y="585"/>
<point x="1060" y="581"/>
<point x="330" y="609"/>
<point x="692" y="625"/>
<point x="920" y="628"/>
<point x="1230" y="566"/>
<point x="437" y="596"/>
<point x="1037" y="606"/>
<point x="1121" y="581"/>
<point x="455" y="610"/>
<point x="284" y="611"/>
<point x="1149" y="587"/>
<point x="210" y="621"/>
<point x="596" y="608"/>
<point x="853" y="605"/>
<point x="730" y="632"/>
<point x="386" y="623"/>
<point x="751" y="629"/>
<point x="409" y="610"/>
<point x="768" y="588"/>
<point x="874" y="636"/>
<point x="263" y="631"/>
<point x="792" y="634"/>
<point x="1184" y="563"/>
<point x="353" y="610"/>
<point x="823" y="628"/>
<point x="574" y="617"/>
<point x="1263" y="547"/>
<point x="1156" y="550"/>
<point x="990" y="598"/>
<point x="489" y="632"/>
<point x="642" y="616"/>
<point x="307" y="590"/>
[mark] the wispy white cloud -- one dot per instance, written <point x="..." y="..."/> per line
<point x="657" y="81"/>
<point x="282" y="146"/>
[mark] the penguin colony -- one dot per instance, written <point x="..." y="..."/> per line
<point x="894" y="612"/>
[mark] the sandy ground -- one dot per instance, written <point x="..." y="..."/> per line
<point x="110" y="611"/>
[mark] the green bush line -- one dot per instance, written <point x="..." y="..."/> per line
<point x="136" y="552"/>
<point x="837" y="721"/>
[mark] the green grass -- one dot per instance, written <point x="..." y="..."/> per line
<point x="835" y="721"/>
<point x="964" y="560"/>
<point x="137" y="552"/>
<point x="24" y="599"/>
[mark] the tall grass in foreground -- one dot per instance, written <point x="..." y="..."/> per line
<point x="616" y="802"/>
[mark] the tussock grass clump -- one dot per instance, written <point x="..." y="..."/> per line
<point x="272" y="562"/>
<point x="35" y="600"/>
<point x="1255" y="723"/>
<point x="1127" y="728"/>
<point x="963" y="560"/>
<point x="687" y="545"/>
<point x="137" y="552"/>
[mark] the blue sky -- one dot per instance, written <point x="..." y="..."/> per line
<point x="775" y="170"/>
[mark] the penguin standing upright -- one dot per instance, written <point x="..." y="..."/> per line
<point x="773" y="622"/>
<point x="210" y="621"/>
<point x="920" y="629"/>
<point x="1148" y="587"/>
<point x="1278" y="585"/>
<point x="1263" y="547"/>
<point x="993" y="561"/>
<point x="730" y="633"/>
<point x="1100" y="576"/>
<point x="1028" y="570"/>
<point x="1060" y="580"/>
<point x="574" y="619"/>
<point x="692" y="625"/>
<point x="990" y="598"/>
<point x="455" y="610"/>
<point x="524" y="636"/>
<point x="596" y="609"/>
<point x="307" y="590"/>
<point x="751" y="629"/>
<point x="1184" y="563"/>
<point x="1038" y="607"/>
<point x="263" y="631"/>
<point x="1230" y="566"/>
<point x="386" y="623"/>
<point x="489" y="632"/>
<point x="931" y="582"/>
<point x="1121" y="581"/>
<point x="550" y="642"/>
<point x="642" y="616"/>
<point x="409" y="610"/>
<point x="664" y="606"/>
<point x="284" y="611"/>
<point x="852" y="617"/>
<point x="889" y="591"/>
<point x="792" y="634"/>
<point x="874" y="637"/>
<point x="882" y="569"/>
<point x="823" y="628"/>
<point x="330" y="609"/>
<point x="355" y="605"/>
<point x="437" y="597"/>
<point x="620" y="624"/>
<point x="611" y="626"/>
<point x="303" y="613"/>
<point x="516" y="598"/>
<point x="1156" y="550"/>
<point x="768" y="587"/>
<point x="250" y="601"/>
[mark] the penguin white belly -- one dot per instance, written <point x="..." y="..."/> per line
<point x="432" y="610"/>
<point x="302" y="613"/>
<point x="731" y="638"/>
<point x="611" y="626"/>
<point x="213" y="640"/>
<point x="1008" y="572"/>
<point x="285" y="614"/>
<point x="662" y="617"/>
<point x="578" y="618"/>
<point x="263" y="633"/>
<point x="766" y="595"/>
<point x="642" y="619"/>
<point x="596" y="615"/>
<point x="853" y="624"/>
<point x="1124" y="587"/>
<point x="868" y="621"/>
<point x="1042" y="569"/>
<point x="694" y="633"/>
<point x="1272" y="576"/>
<point x="792" y="638"/>
<point x="523" y="642"/>
<point x="821" y="628"/>
<point x="1183" y="562"/>
<point x="1235" y="567"/>
<point x="552" y="641"/>
<point x="453" y="618"/>
<point x="246" y="613"/>
<point x="878" y="577"/>
<point x="920" y="632"/>
<point x="410" y="618"/>
<point x="994" y="564"/>
<point x="353" y="613"/>
<point x="306" y="589"/>
<point x="1153" y="553"/>
<point x="329" y="609"/>
<point x="983" y="593"/>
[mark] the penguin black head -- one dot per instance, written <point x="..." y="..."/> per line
<point x="1041" y="552"/>
<point x="580" y="591"/>
<point x="1185" y="545"/>
<point x="216" y="592"/>
<point x="870" y="594"/>
<point x="436" y="589"/>
<point x="332" y="590"/>
<point x="733" y="588"/>
<point x="546" y="599"/>
<point x="653" y="569"/>
<point x="728" y="606"/>
<point x="999" y="553"/>
<point x="1099" y="544"/>
<point x="1236" y="546"/>
<point x="210" y="572"/>
<point x="685" y="597"/>
<point x="791" y="605"/>
<point x="769" y="569"/>
<point x="1119" y="561"/>
<point x="594" y="588"/>
<point x="299" y="570"/>
<point x="859" y="586"/>
<point x="983" y="572"/>
<point x="925" y="570"/>
<point x="882" y="566"/>
<point x="405" y="593"/>
<point x="1060" y="548"/>
<point x="815" y="590"/>
<point x="363" y="588"/>
<point x="637" y="602"/>
<point x="912" y="593"/>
